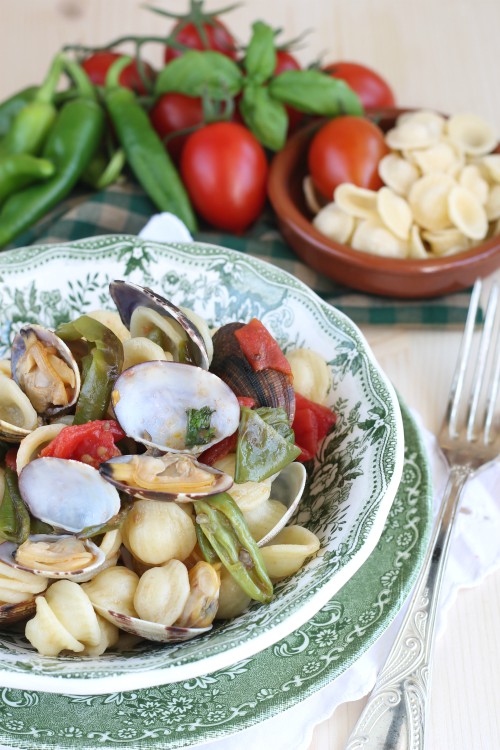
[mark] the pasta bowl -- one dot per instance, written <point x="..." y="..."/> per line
<point x="350" y="487"/>
<point x="375" y="274"/>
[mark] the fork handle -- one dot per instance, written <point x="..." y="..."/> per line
<point x="395" y="716"/>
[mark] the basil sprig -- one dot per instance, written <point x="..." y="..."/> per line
<point x="213" y="76"/>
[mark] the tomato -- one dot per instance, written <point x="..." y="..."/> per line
<point x="224" y="169"/>
<point x="311" y="424"/>
<point x="261" y="349"/>
<point x="91" y="443"/>
<point x="346" y="149"/>
<point x="286" y="61"/>
<point x="368" y="85"/>
<point x="97" y="65"/>
<point x="217" y="37"/>
<point x="173" y="112"/>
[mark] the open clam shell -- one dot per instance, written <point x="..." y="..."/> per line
<point x="12" y="613"/>
<point x="175" y="476"/>
<point x="43" y="366"/>
<point x="17" y="416"/>
<point x="128" y="297"/>
<point x="95" y="558"/>
<point x="152" y="631"/>
<point x="151" y="402"/>
<point x="287" y="488"/>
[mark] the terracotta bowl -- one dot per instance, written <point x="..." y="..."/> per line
<point x="390" y="277"/>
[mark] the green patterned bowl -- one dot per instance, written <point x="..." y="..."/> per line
<point x="350" y="490"/>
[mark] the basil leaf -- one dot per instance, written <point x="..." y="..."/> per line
<point x="260" y="57"/>
<point x="198" y="73"/>
<point x="315" y="93"/>
<point x="14" y="516"/>
<point x="198" y="429"/>
<point x="266" y="118"/>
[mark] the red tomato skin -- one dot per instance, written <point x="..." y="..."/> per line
<point x="286" y="61"/>
<point x="97" y="65"/>
<point x="261" y="349"/>
<point x="368" y="85"/>
<point x="217" y="34"/>
<point x="346" y="149"/>
<point x="224" y="169"/>
<point x="173" y="112"/>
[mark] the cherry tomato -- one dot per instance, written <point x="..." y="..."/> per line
<point x="224" y="169"/>
<point x="173" y="112"/>
<point x="346" y="149"/>
<point x="217" y="37"/>
<point x="368" y="85"/>
<point x="286" y="61"/>
<point x="96" y="66"/>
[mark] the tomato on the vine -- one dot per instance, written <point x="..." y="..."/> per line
<point x="371" y="88"/>
<point x="212" y="34"/>
<point x="174" y="112"/>
<point x="346" y="149"/>
<point x="224" y="169"/>
<point x="97" y="65"/>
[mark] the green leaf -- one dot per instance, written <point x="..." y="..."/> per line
<point x="198" y="73"/>
<point x="260" y="57"/>
<point x="14" y="516"/>
<point x="315" y="93"/>
<point x="198" y="429"/>
<point x="266" y="118"/>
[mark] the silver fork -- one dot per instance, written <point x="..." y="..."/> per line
<point x="395" y="715"/>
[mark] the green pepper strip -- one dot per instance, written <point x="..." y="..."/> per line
<point x="30" y="128"/>
<point x="224" y="526"/>
<point x="14" y="516"/>
<point x="71" y="144"/>
<point x="10" y="108"/>
<point x="100" y="367"/>
<point x="17" y="171"/>
<point x="144" y="150"/>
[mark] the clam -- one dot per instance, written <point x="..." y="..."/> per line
<point x="43" y="366"/>
<point x="54" y="556"/>
<point x="172" y="476"/>
<point x="146" y="313"/>
<point x="17" y="416"/>
<point x="287" y="488"/>
<point x="151" y="631"/>
<point x="68" y="495"/>
<point x="151" y="402"/>
<point x="267" y="387"/>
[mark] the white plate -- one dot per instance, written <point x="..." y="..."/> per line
<point x="351" y="488"/>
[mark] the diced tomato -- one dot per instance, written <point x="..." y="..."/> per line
<point x="91" y="443"/>
<point x="311" y="424"/>
<point x="11" y="458"/>
<point x="247" y="401"/>
<point x="261" y="349"/>
<point x="219" y="450"/>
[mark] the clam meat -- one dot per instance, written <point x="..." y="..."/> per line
<point x="45" y="369"/>
<point x="54" y="556"/>
<point x="17" y="416"/>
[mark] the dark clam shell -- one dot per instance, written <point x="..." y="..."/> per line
<point x="11" y="613"/>
<point x="267" y="387"/>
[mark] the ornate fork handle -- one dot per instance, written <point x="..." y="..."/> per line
<point x="395" y="715"/>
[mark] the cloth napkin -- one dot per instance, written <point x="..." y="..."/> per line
<point x="474" y="553"/>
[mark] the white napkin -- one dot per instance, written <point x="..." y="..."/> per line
<point x="474" y="552"/>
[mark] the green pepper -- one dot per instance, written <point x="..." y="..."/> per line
<point x="260" y="451"/>
<point x="71" y="144"/>
<point x="103" y="171"/>
<point x="17" y="171"/>
<point x="144" y="149"/>
<point x="14" y="516"/>
<point x="10" y="108"/>
<point x="102" y="364"/>
<point x="223" y="525"/>
<point x="30" y="127"/>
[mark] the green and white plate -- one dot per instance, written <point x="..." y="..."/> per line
<point x="258" y="688"/>
<point x="350" y="490"/>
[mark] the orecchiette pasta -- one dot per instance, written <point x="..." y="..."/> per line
<point x="287" y="552"/>
<point x="155" y="532"/>
<point x="162" y="593"/>
<point x="311" y="376"/>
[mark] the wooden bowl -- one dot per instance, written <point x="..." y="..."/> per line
<point x="390" y="277"/>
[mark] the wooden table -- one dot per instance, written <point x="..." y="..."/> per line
<point x="441" y="55"/>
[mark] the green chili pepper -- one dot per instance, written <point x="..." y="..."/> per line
<point x="101" y="365"/>
<point x="10" y="108"/>
<point x="145" y="152"/>
<point x="260" y="451"/>
<point x="223" y="525"/>
<point x="14" y="516"/>
<point x="17" y="171"/>
<point x="71" y="144"/>
<point x="102" y="171"/>
<point x="30" y="127"/>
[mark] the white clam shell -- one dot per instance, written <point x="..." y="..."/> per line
<point x="17" y="416"/>
<point x="151" y="631"/>
<point x="8" y="551"/>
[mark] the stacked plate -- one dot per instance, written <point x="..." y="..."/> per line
<point x="367" y="499"/>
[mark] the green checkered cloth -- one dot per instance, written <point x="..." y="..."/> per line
<point x="125" y="209"/>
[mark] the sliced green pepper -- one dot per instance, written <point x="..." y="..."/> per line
<point x="17" y="171"/>
<point x="14" y="516"/>
<point x="260" y="451"/>
<point x="225" y="529"/>
<point x="101" y="365"/>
